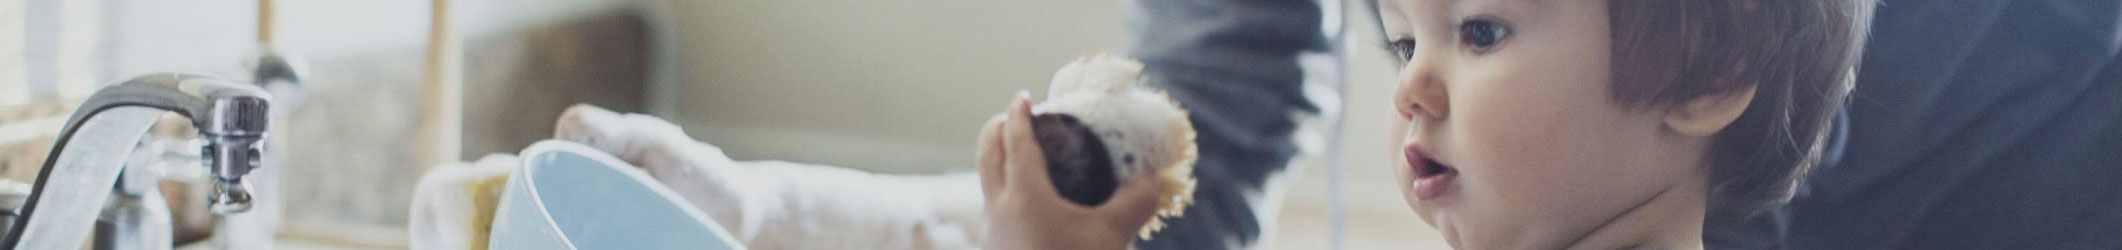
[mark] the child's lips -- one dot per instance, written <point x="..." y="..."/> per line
<point x="1432" y="178"/>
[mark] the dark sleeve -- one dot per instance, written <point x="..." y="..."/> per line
<point x="1233" y="65"/>
<point x="1975" y="124"/>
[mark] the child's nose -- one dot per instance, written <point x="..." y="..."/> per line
<point x="1421" y="92"/>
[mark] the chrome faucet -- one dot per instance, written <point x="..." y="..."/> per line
<point x="283" y="76"/>
<point x="86" y="181"/>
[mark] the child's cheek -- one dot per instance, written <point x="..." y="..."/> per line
<point x="1398" y="132"/>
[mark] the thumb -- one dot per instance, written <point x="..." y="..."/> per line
<point x="1026" y="164"/>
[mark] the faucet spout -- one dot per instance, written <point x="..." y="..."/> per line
<point x="233" y="157"/>
<point x="87" y="160"/>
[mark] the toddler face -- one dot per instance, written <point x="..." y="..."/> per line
<point x="1507" y="127"/>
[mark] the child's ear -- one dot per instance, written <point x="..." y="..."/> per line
<point x="1705" y="115"/>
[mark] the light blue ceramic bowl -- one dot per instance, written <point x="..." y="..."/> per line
<point x="571" y="196"/>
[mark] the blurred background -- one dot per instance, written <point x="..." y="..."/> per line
<point x="885" y="86"/>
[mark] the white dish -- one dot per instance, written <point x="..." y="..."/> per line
<point x="571" y="196"/>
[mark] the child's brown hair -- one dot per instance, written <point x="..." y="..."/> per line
<point x="1799" y="55"/>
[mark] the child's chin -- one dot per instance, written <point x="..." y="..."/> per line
<point x="1448" y="230"/>
<point x="1431" y="212"/>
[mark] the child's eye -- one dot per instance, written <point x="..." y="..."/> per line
<point x="1482" y="34"/>
<point x="1404" y="48"/>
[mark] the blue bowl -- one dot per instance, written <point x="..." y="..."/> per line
<point x="571" y="196"/>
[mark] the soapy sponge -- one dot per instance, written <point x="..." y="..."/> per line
<point x="1100" y="127"/>
<point x="453" y="204"/>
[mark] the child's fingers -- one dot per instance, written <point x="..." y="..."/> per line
<point x="642" y="140"/>
<point x="1027" y="164"/>
<point x="990" y="160"/>
<point x="602" y="129"/>
<point x="586" y="124"/>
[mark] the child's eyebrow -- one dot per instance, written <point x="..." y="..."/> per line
<point x="1449" y="11"/>
<point x="1538" y="7"/>
<point x="1521" y="11"/>
<point x="1394" y="15"/>
<point x="1537" y="4"/>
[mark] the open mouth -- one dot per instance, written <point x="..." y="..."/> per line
<point x="1430" y="167"/>
<point x="1432" y="178"/>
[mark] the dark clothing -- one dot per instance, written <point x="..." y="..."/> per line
<point x="1976" y="124"/>
<point x="1233" y="65"/>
